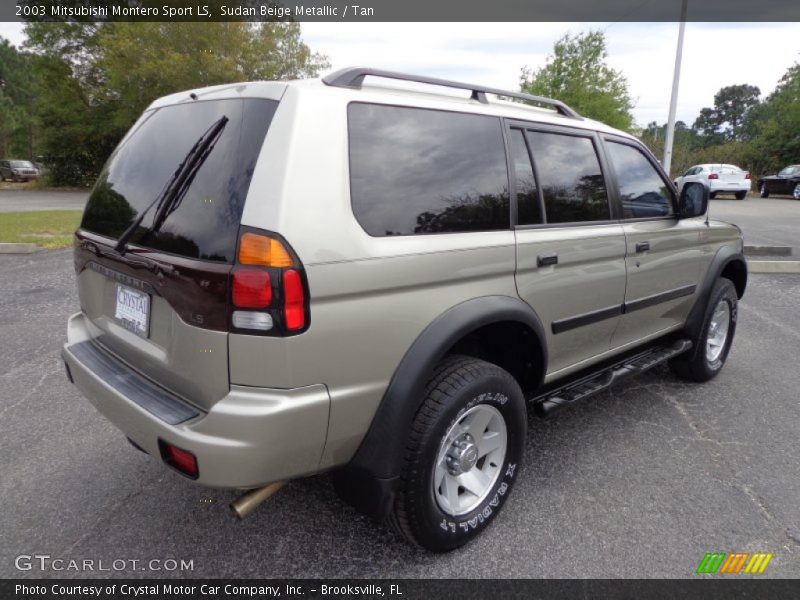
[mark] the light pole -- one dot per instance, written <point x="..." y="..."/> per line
<point x="673" y="102"/>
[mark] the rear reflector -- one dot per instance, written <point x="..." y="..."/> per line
<point x="252" y="320"/>
<point x="294" y="312"/>
<point x="263" y="251"/>
<point x="179" y="459"/>
<point x="251" y="289"/>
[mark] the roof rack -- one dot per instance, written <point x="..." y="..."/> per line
<point x="353" y="77"/>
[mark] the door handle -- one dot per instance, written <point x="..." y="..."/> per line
<point x="547" y="259"/>
<point x="642" y="246"/>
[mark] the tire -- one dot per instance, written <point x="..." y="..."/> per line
<point x="796" y="192"/>
<point x="463" y="391"/>
<point x="711" y="348"/>
<point x="712" y="195"/>
<point x="740" y="195"/>
<point x="763" y="191"/>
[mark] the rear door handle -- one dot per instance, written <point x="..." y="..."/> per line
<point x="547" y="259"/>
<point x="642" y="246"/>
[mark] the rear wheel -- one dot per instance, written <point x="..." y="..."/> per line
<point x="712" y="195"/>
<point x="763" y="191"/>
<point x="740" y="195"/>
<point x="463" y="454"/>
<point x="711" y="347"/>
<point x="796" y="192"/>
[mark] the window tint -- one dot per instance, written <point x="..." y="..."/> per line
<point x="204" y="223"/>
<point x="642" y="190"/>
<point x="415" y="171"/>
<point x="528" y="212"/>
<point x="570" y="177"/>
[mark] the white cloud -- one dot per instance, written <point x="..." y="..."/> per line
<point x="715" y="54"/>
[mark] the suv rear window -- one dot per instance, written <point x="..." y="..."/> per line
<point x="205" y="223"/>
<point x="417" y="171"/>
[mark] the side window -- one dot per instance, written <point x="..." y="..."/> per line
<point x="642" y="190"/>
<point x="416" y="171"/>
<point x="528" y="210"/>
<point x="570" y="177"/>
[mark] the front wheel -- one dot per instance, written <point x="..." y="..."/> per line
<point x="706" y="358"/>
<point x="463" y="455"/>
<point x="763" y="191"/>
<point x="796" y="192"/>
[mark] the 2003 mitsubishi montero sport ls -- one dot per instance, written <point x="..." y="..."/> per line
<point x="282" y="278"/>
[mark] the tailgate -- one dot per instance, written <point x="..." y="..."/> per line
<point x="185" y="358"/>
<point x="158" y="240"/>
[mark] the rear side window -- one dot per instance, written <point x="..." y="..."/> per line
<point x="642" y="190"/>
<point x="204" y="224"/>
<point x="417" y="171"/>
<point x="570" y="177"/>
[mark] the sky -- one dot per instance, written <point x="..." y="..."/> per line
<point x="492" y="54"/>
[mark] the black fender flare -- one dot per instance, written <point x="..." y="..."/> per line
<point x="723" y="257"/>
<point x="368" y="481"/>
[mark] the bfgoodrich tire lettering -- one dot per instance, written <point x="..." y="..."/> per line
<point x="458" y="385"/>
<point x="710" y="349"/>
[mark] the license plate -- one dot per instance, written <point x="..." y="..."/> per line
<point x="132" y="310"/>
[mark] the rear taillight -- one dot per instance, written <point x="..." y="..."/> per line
<point x="269" y="292"/>
<point x="179" y="459"/>
<point x="713" y="176"/>
<point x="252" y="288"/>
<point x="747" y="175"/>
<point x="294" y="301"/>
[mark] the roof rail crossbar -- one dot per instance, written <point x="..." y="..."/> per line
<point x="353" y="77"/>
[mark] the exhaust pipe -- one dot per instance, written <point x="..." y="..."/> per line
<point x="247" y="503"/>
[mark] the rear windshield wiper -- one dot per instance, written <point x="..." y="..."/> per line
<point x="170" y="196"/>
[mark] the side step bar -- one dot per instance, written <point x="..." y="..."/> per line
<point x="546" y="404"/>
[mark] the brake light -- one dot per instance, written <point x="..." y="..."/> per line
<point x="252" y="288"/>
<point x="181" y="460"/>
<point x="294" y="301"/>
<point x="713" y="176"/>
<point x="747" y="175"/>
<point x="268" y="287"/>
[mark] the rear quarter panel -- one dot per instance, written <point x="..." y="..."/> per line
<point x="370" y="297"/>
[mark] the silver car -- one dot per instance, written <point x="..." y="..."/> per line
<point x="18" y="170"/>
<point x="719" y="178"/>
<point x="289" y="278"/>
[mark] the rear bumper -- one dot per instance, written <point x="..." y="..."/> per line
<point x="251" y="437"/>
<point x="729" y="186"/>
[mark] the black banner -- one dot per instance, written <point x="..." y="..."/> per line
<point x="403" y="589"/>
<point x="392" y="10"/>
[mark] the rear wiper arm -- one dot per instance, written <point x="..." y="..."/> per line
<point x="177" y="184"/>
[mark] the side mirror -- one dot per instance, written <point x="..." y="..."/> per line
<point x="693" y="201"/>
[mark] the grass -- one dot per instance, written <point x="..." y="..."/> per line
<point x="49" y="229"/>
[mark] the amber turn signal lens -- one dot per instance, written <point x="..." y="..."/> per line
<point x="263" y="251"/>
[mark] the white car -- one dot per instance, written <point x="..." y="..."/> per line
<point x="719" y="179"/>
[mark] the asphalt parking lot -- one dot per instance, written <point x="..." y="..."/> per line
<point x="639" y="482"/>
<point x="15" y="197"/>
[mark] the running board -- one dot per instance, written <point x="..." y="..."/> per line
<point x="546" y="404"/>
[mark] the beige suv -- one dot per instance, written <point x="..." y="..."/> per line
<point x="280" y="279"/>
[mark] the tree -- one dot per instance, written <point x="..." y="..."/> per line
<point x="775" y="125"/>
<point x="16" y="102"/>
<point x="97" y="78"/>
<point x="577" y="73"/>
<point x="725" y="121"/>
